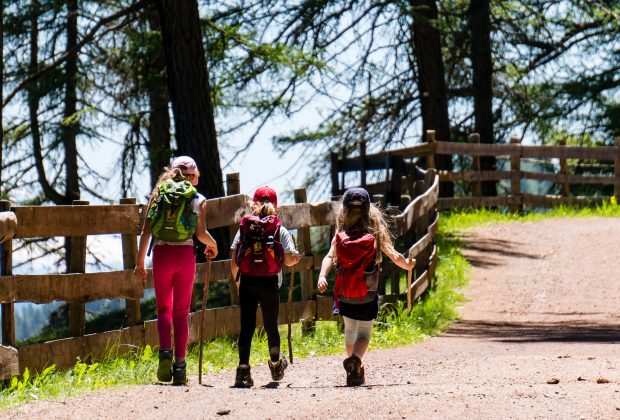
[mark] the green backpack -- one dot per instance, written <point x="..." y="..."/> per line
<point x="170" y="216"/>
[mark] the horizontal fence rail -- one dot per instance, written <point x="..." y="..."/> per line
<point x="397" y="183"/>
<point x="415" y="227"/>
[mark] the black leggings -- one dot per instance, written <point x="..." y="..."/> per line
<point x="252" y="291"/>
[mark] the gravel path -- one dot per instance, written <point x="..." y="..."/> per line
<point x="543" y="307"/>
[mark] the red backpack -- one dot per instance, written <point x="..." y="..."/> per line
<point x="355" y="273"/>
<point x="259" y="252"/>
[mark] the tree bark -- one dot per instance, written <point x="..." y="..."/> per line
<point x="33" y="109"/>
<point x="482" y="67"/>
<point x="190" y="92"/>
<point x="70" y="125"/>
<point x="159" y="118"/>
<point x="1" y="90"/>
<point x="431" y="80"/>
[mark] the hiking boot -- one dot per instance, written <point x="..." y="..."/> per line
<point x="277" y="368"/>
<point x="362" y="376"/>
<point x="164" y="370"/>
<point x="354" y="374"/>
<point x="243" y="378"/>
<point x="179" y="374"/>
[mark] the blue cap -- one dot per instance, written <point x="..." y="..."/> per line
<point x="356" y="198"/>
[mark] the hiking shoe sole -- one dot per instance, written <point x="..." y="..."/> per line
<point x="164" y="370"/>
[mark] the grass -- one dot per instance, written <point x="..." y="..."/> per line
<point x="429" y="316"/>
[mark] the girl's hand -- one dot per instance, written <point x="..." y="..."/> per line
<point x="140" y="271"/>
<point x="410" y="262"/>
<point x="322" y="284"/>
<point x="211" y="252"/>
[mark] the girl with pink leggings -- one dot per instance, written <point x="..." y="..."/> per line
<point x="174" y="263"/>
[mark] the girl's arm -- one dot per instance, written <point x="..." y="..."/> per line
<point x="145" y="237"/>
<point x="291" y="255"/>
<point x="397" y="258"/>
<point x="326" y="266"/>
<point x="203" y="235"/>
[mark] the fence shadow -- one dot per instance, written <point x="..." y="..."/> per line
<point x="524" y="332"/>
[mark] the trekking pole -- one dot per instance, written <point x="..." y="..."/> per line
<point x="205" y="292"/>
<point x="409" y="273"/>
<point x="289" y="313"/>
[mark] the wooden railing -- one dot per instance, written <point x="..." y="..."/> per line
<point x="397" y="166"/>
<point x="416" y="226"/>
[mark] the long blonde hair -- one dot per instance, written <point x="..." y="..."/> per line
<point x="169" y="173"/>
<point x="369" y="219"/>
<point x="262" y="209"/>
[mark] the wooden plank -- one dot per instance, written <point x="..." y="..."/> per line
<point x="9" y="362"/>
<point x="50" y="221"/>
<point x="233" y="187"/>
<point x="295" y="216"/>
<point x="78" y="287"/>
<point x="471" y="176"/>
<point x="92" y="347"/>
<point x="482" y="149"/>
<point x="376" y="161"/>
<point x="475" y="202"/>
<point x="423" y="281"/>
<point x="566" y="179"/>
<point x="571" y="152"/>
<point x="226" y="211"/>
<point x="428" y="238"/>
<point x="418" y="207"/>
<point x="8" y="224"/>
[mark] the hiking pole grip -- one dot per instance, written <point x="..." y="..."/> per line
<point x="205" y="290"/>
<point x="289" y="313"/>
<point x="409" y="274"/>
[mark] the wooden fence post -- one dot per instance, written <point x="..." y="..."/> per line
<point x="335" y="167"/>
<point x="304" y="245"/>
<point x="617" y="170"/>
<point x="515" y="179"/>
<point x="393" y="272"/>
<point x="362" y="147"/>
<point x="430" y="139"/>
<point x="233" y="186"/>
<point x="421" y="227"/>
<point x="77" y="264"/>
<point x="396" y="181"/>
<point x="564" y="172"/>
<point x="477" y="190"/>
<point x="130" y="257"/>
<point x="6" y="269"/>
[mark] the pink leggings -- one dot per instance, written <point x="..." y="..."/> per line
<point x="174" y="267"/>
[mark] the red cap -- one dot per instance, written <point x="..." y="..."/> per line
<point x="265" y="193"/>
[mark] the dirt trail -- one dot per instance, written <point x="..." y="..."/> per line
<point x="544" y="303"/>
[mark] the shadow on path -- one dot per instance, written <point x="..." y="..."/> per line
<point x="523" y="332"/>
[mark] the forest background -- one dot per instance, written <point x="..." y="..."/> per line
<point x="97" y="96"/>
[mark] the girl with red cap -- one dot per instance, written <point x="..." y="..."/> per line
<point x="176" y="211"/>
<point x="361" y="237"/>
<point x="259" y="250"/>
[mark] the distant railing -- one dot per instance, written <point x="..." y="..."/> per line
<point x="399" y="173"/>
<point x="416" y="225"/>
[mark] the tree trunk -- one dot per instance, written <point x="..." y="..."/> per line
<point x="190" y="92"/>
<point x="431" y="80"/>
<point x="159" y="119"/>
<point x="1" y="89"/>
<point x="482" y="67"/>
<point x="70" y="125"/>
<point x="33" y="109"/>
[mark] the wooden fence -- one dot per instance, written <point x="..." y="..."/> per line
<point x="398" y="166"/>
<point x="416" y="225"/>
